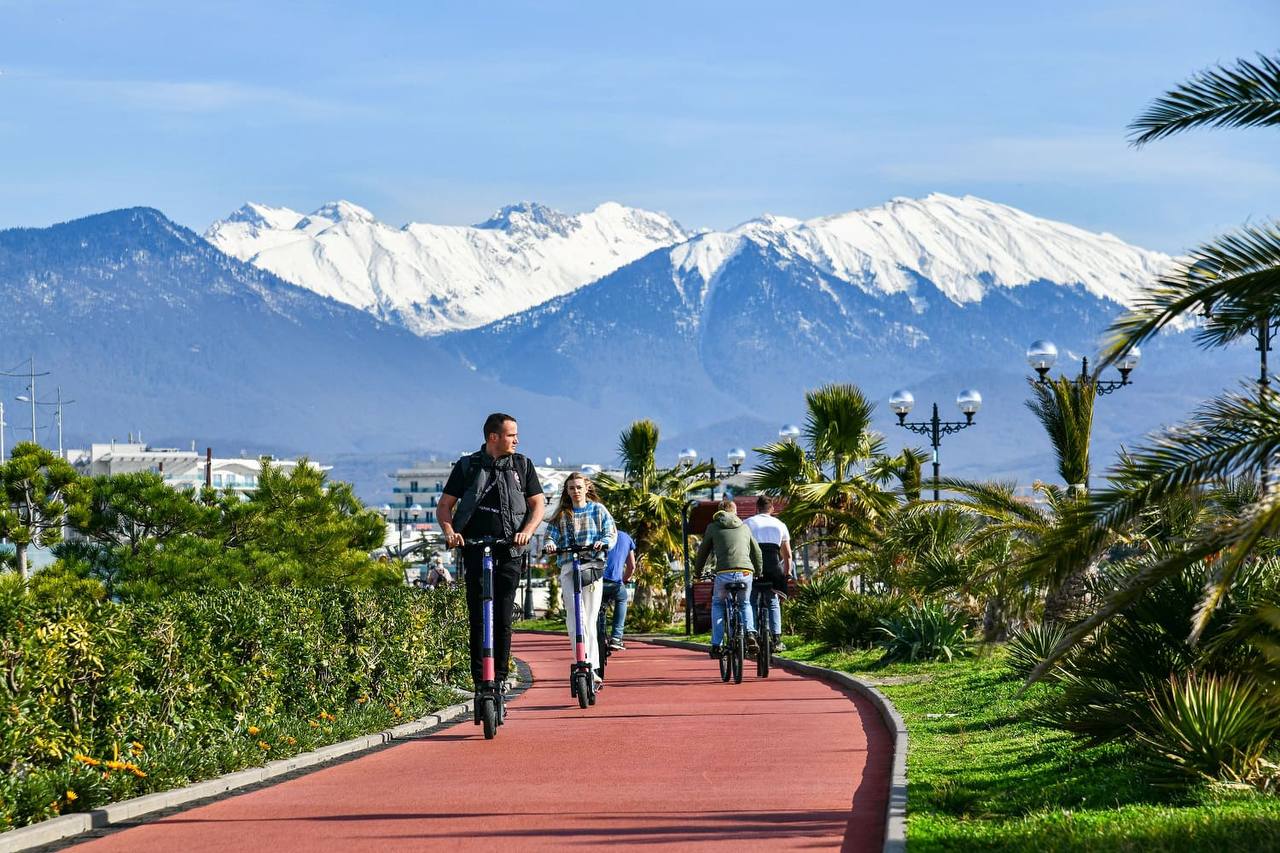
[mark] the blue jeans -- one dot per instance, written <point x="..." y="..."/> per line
<point x="616" y="592"/>
<point x="717" y="604"/>
<point x="775" y="610"/>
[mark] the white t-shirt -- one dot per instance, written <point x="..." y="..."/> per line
<point x="768" y="530"/>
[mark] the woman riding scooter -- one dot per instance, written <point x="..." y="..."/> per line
<point x="581" y="520"/>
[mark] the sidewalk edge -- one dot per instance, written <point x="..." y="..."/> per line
<point x="895" y="830"/>
<point x="61" y="828"/>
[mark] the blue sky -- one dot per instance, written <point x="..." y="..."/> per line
<point x="712" y="112"/>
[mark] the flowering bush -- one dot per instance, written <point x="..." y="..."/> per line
<point x="101" y="701"/>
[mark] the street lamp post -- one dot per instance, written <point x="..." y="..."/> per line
<point x="935" y="428"/>
<point x="414" y="511"/>
<point x="791" y="432"/>
<point x="1265" y="329"/>
<point x="1042" y="355"/>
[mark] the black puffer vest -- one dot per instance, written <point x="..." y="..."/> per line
<point x="483" y="472"/>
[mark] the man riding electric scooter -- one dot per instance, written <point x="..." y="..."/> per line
<point x="492" y="494"/>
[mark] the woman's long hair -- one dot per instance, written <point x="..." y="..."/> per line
<point x="564" y="510"/>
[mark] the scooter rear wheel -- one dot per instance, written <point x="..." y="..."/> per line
<point x="762" y="656"/>
<point x="726" y="663"/>
<point x="489" y="716"/>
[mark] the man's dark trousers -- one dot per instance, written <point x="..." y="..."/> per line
<point x="506" y="575"/>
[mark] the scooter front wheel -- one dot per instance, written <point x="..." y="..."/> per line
<point x="489" y="716"/>
<point x="580" y="688"/>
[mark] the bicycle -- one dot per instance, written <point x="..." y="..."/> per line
<point x="762" y="595"/>
<point x="489" y="709"/>
<point x="734" y="650"/>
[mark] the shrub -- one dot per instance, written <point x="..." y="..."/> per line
<point x="1107" y="685"/>
<point x="642" y="619"/>
<point x="175" y="689"/>
<point x="1028" y="647"/>
<point x="800" y="609"/>
<point x="1211" y="728"/>
<point x="852" y="620"/>
<point x="923" y="632"/>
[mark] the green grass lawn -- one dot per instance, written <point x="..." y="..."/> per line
<point x="982" y="777"/>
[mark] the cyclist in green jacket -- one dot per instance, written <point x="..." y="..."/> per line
<point x="737" y="558"/>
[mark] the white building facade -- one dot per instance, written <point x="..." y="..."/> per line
<point x="186" y="469"/>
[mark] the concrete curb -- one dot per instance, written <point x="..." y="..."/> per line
<point x="895" y="830"/>
<point x="61" y="828"/>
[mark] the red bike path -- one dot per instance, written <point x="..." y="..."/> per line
<point x="669" y="758"/>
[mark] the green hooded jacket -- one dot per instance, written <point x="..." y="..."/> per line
<point x="736" y="549"/>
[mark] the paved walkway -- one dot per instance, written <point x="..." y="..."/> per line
<point x="655" y="764"/>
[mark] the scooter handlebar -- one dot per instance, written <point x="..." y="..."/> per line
<point x="485" y="540"/>
<point x="581" y="549"/>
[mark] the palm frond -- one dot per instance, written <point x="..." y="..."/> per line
<point x="783" y="465"/>
<point x="1247" y="95"/>
<point x="1240" y="541"/>
<point x="1236" y="277"/>
<point x="637" y="448"/>
<point x="838" y="425"/>
<point x="1064" y="407"/>
<point x="1229" y="434"/>
<point x="1146" y="577"/>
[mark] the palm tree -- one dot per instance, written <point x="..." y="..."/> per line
<point x="1235" y="279"/>
<point x="1012" y="529"/>
<point x="646" y="502"/>
<point x="1064" y="407"/>
<point x="832" y="485"/>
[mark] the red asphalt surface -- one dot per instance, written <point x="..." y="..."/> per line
<point x="669" y="758"/>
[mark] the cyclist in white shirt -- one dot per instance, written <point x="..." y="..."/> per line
<point x="775" y="546"/>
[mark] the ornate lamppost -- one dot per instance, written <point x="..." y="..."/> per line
<point x="1042" y="355"/>
<point x="902" y="401"/>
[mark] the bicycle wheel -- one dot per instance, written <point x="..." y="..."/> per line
<point x="489" y="716"/>
<point x="726" y="654"/>
<point x="762" y="656"/>
<point x="739" y="653"/>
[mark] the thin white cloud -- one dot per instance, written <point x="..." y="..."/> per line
<point x="192" y="96"/>
<point x="1089" y="155"/>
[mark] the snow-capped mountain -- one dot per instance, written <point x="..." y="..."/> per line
<point x="957" y="248"/>
<point x="436" y="278"/>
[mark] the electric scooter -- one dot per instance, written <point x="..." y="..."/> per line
<point x="489" y="709"/>
<point x="581" y="682"/>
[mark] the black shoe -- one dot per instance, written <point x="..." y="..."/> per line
<point x="715" y="652"/>
<point x="753" y="642"/>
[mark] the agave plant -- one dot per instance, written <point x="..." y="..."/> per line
<point x="923" y="632"/>
<point x="1028" y="647"/>
<point x="1214" y="728"/>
